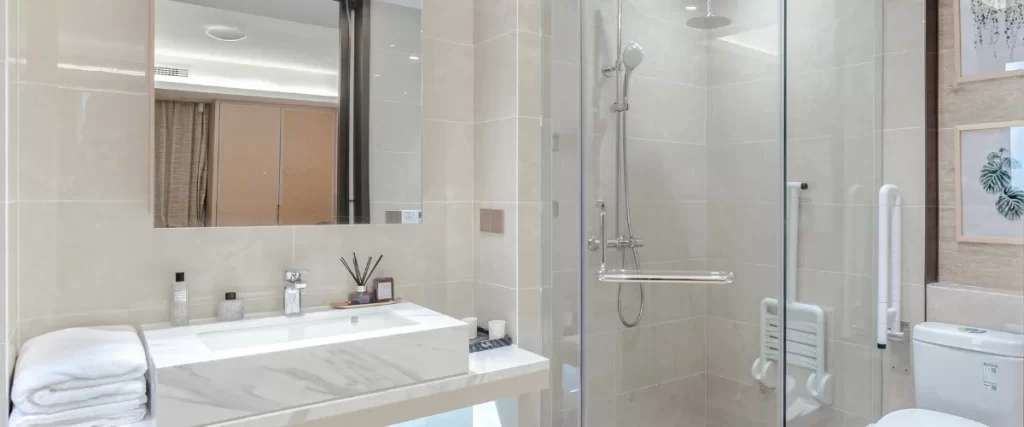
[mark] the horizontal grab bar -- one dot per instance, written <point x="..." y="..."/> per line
<point x="623" y="276"/>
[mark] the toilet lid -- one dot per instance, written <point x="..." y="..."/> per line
<point x="924" y="417"/>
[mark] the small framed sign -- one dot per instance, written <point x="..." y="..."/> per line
<point x="385" y="287"/>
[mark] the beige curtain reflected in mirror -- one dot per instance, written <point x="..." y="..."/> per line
<point x="182" y="138"/>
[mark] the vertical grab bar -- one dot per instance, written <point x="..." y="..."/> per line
<point x="793" y="235"/>
<point x="890" y="274"/>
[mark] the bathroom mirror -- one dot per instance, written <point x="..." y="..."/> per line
<point x="298" y="112"/>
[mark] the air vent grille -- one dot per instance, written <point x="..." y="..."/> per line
<point x="170" y="71"/>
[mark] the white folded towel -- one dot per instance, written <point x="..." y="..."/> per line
<point x="49" y="401"/>
<point x="109" y="415"/>
<point x="80" y="359"/>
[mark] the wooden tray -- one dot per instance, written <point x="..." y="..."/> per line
<point x="347" y="304"/>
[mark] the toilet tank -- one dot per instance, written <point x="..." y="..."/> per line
<point x="970" y="372"/>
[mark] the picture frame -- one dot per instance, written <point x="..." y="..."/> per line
<point x="989" y="182"/>
<point x="994" y="31"/>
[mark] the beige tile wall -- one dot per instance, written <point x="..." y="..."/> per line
<point x="9" y="114"/>
<point x="976" y="264"/>
<point x="86" y="250"/>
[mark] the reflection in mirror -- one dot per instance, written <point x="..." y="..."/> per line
<point x="255" y="123"/>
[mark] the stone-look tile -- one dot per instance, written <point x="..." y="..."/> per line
<point x="600" y="414"/>
<point x="848" y="302"/>
<point x="728" y="63"/>
<point x="946" y="36"/>
<point x="529" y="79"/>
<point x="650" y="355"/>
<point x="904" y="90"/>
<point x="495" y="161"/>
<point x="976" y="102"/>
<point x="448" y="163"/>
<point x="905" y="163"/>
<point x="396" y="76"/>
<point x="671" y="231"/>
<point x="666" y="111"/>
<point x="450" y="20"/>
<point x="673" y="404"/>
<point x="733" y="404"/>
<point x="744" y="112"/>
<point x="51" y="34"/>
<point x="11" y="272"/>
<point x="459" y="238"/>
<point x="82" y="144"/>
<point x="747" y="172"/>
<point x="529" y="257"/>
<point x="914" y="230"/>
<point x="731" y="348"/>
<point x="828" y="34"/>
<point x="495" y="254"/>
<point x="387" y="19"/>
<point x="532" y="152"/>
<point x="667" y="302"/>
<point x="493" y="302"/>
<point x="454" y="299"/>
<point x="669" y="172"/>
<point x="904" y="27"/>
<point x="741" y="301"/>
<point x="529" y="315"/>
<point x="835" y="102"/>
<point x="673" y="52"/>
<point x="448" y="70"/>
<point x="854" y="369"/>
<point x="601" y="374"/>
<point x="745" y="232"/>
<point x="898" y="391"/>
<point x="833" y="238"/>
<point x="492" y="18"/>
<point x="840" y="169"/>
<point x="496" y="67"/>
<point x="976" y="306"/>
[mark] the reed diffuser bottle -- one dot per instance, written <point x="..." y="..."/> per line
<point x="362" y="295"/>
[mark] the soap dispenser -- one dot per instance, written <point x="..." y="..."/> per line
<point x="231" y="308"/>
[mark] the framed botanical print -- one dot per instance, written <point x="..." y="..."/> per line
<point x="990" y="182"/>
<point x="990" y="39"/>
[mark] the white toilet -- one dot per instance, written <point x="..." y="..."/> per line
<point x="964" y="377"/>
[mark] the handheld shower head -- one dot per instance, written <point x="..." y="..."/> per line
<point x="632" y="56"/>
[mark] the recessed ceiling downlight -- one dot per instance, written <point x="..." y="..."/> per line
<point x="225" y="33"/>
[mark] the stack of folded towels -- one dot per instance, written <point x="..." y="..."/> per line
<point x="88" y="377"/>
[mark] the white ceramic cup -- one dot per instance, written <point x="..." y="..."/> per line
<point x="471" y="329"/>
<point x="496" y="329"/>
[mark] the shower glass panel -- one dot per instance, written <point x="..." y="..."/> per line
<point x="680" y="154"/>
<point x="691" y="141"/>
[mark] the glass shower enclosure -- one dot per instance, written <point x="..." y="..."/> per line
<point x="713" y="171"/>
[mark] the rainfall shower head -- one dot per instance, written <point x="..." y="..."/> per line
<point x="709" y="21"/>
<point x="632" y="56"/>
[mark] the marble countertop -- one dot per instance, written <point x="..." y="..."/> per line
<point x="491" y="373"/>
<point x="182" y="345"/>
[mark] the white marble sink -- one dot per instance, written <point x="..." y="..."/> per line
<point x="221" y="371"/>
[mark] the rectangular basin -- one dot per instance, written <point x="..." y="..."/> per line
<point x="221" y="371"/>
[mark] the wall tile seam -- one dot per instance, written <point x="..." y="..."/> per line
<point x="640" y="76"/>
<point x="743" y="82"/>
<point x="810" y="71"/>
<point x="477" y="44"/>
<point x="85" y="89"/>
<point x="670" y="380"/>
<point x="482" y="282"/>
<point x="444" y="40"/>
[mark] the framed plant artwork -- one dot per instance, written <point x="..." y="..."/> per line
<point x="990" y="39"/>
<point x="990" y="182"/>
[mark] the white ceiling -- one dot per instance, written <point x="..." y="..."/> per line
<point x="277" y="55"/>
<point x="322" y="13"/>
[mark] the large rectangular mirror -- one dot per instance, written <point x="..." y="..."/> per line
<point x="298" y="112"/>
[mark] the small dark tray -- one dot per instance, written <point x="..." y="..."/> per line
<point x="483" y="342"/>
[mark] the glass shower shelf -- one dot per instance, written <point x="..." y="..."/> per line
<point x="683" y="277"/>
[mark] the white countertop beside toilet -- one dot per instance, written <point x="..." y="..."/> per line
<point x="493" y="374"/>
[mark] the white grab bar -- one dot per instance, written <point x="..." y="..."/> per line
<point x="890" y="279"/>
<point x="624" y="276"/>
<point x="793" y="236"/>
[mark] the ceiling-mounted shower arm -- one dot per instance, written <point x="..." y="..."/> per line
<point x="352" y="4"/>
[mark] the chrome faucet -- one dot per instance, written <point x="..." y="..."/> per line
<point x="293" y="292"/>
